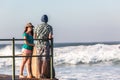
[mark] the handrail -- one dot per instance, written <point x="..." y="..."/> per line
<point x="14" y="56"/>
<point x="20" y="39"/>
<point x="25" y="56"/>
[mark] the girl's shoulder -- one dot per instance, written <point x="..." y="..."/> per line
<point x="25" y="34"/>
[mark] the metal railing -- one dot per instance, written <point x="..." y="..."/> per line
<point x="14" y="56"/>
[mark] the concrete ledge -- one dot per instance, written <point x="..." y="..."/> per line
<point x="9" y="77"/>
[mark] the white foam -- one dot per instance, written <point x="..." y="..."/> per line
<point x="5" y="51"/>
<point x="86" y="54"/>
<point x="74" y="54"/>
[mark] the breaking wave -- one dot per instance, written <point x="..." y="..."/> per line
<point x="86" y="54"/>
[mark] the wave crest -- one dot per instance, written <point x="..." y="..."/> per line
<point x="86" y="54"/>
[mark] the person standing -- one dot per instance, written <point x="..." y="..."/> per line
<point x="43" y="31"/>
<point x="27" y="50"/>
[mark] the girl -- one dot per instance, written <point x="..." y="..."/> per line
<point x="27" y="50"/>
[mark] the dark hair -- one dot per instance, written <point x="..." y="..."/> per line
<point x="32" y="32"/>
<point x="28" y="25"/>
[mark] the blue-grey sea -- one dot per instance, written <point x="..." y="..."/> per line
<point x="74" y="61"/>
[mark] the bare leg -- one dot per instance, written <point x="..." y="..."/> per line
<point x="24" y="59"/>
<point x="39" y="63"/>
<point x="44" y="66"/>
<point x="28" y="67"/>
<point x="44" y="61"/>
<point x="40" y="66"/>
<point x="31" y="64"/>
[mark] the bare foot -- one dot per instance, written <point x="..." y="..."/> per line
<point x="29" y="77"/>
<point x="21" y="76"/>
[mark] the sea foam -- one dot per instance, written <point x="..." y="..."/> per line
<point x="74" y="55"/>
<point x="86" y="54"/>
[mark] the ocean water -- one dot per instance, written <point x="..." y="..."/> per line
<point x="75" y="61"/>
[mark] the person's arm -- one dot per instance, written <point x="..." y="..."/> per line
<point x="26" y="42"/>
<point x="50" y="36"/>
<point x="51" y="33"/>
<point x="35" y="35"/>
